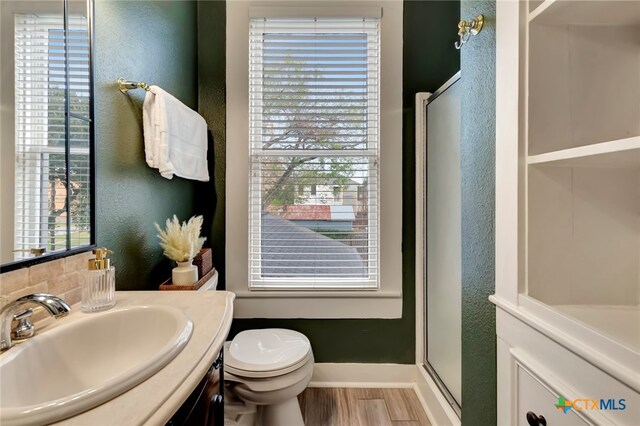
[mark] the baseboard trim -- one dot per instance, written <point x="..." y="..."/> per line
<point x="355" y="375"/>
<point x="436" y="405"/>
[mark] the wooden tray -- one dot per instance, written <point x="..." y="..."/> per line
<point x="167" y="285"/>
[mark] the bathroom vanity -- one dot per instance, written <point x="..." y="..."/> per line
<point x="568" y="212"/>
<point x="158" y="399"/>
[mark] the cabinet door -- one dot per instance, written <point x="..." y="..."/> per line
<point x="537" y="399"/>
<point x="205" y="405"/>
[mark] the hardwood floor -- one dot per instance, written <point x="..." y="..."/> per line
<point x="361" y="407"/>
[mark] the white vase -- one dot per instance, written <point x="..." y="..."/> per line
<point x="186" y="273"/>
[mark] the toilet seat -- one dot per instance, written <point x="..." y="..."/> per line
<point x="267" y="353"/>
<point x="249" y="374"/>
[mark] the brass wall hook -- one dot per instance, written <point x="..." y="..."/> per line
<point x="126" y="85"/>
<point x="468" y="28"/>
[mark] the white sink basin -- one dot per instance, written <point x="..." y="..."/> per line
<point x="92" y="359"/>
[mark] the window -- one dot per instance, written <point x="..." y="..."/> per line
<point x="314" y="120"/>
<point x="325" y="241"/>
<point x="42" y="91"/>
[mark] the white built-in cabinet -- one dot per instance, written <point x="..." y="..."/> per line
<point x="568" y="210"/>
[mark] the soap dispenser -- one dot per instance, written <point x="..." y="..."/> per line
<point x="99" y="289"/>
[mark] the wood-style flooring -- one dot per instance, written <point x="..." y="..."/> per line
<point x="361" y="407"/>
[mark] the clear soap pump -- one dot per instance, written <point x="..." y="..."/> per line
<point x="99" y="289"/>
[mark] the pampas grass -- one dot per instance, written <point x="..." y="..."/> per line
<point x="181" y="242"/>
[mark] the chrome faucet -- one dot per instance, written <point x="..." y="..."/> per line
<point x="55" y="306"/>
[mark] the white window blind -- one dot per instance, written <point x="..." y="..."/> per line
<point x="43" y="198"/>
<point x="314" y="149"/>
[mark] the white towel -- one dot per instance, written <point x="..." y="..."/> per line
<point x="175" y="137"/>
<point x="148" y="120"/>
<point x="151" y="121"/>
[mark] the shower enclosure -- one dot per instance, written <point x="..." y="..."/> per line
<point x="441" y="239"/>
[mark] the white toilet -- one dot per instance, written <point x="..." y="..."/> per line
<point x="269" y="368"/>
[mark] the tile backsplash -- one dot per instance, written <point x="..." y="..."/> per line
<point x="60" y="277"/>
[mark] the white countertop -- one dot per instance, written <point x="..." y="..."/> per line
<point x="155" y="400"/>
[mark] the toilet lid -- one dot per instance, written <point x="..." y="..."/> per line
<point x="267" y="350"/>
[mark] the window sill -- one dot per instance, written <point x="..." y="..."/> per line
<point x="317" y="304"/>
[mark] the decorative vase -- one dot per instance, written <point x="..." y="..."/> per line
<point x="186" y="273"/>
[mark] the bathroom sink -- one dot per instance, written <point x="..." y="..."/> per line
<point x="87" y="361"/>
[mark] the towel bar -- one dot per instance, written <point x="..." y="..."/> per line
<point x="126" y="85"/>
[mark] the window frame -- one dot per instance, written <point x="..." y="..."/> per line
<point x="383" y="302"/>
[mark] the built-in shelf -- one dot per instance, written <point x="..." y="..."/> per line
<point x="589" y="12"/>
<point x="539" y="10"/>
<point x="609" y="331"/>
<point x="619" y="322"/>
<point x="582" y="151"/>
<point x="568" y="213"/>
<point x="623" y="153"/>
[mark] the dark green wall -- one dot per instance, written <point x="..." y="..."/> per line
<point x="429" y="60"/>
<point x="429" y="56"/>
<point x="477" y="156"/>
<point x="211" y="105"/>
<point x="152" y="41"/>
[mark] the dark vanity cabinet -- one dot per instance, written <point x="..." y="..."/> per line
<point x="205" y="405"/>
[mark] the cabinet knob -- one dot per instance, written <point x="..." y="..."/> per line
<point x="534" y="420"/>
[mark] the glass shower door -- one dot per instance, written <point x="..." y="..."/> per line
<point x="443" y="241"/>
